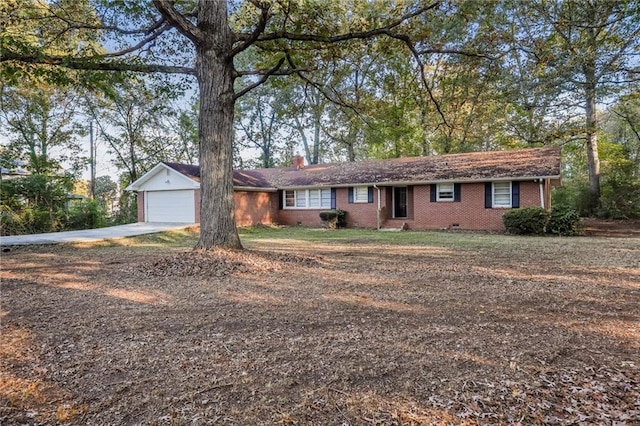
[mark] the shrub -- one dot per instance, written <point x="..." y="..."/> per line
<point x="563" y="220"/>
<point x="86" y="214"/>
<point x="526" y="221"/>
<point x="334" y="218"/>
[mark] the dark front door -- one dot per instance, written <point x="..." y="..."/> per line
<point x="400" y="201"/>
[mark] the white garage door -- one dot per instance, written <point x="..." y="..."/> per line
<point x="171" y="206"/>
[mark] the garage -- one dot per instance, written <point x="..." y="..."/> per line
<point x="170" y="206"/>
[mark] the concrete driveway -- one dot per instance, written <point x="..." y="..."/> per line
<point x="119" y="231"/>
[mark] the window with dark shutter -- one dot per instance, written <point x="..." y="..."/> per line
<point x="350" y="195"/>
<point x="457" y="192"/>
<point x="515" y="195"/>
<point x="333" y="198"/>
<point x="362" y="194"/>
<point x="434" y="190"/>
<point x="488" y="195"/>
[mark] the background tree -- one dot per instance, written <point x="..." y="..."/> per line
<point x="39" y="120"/>
<point x="260" y="124"/>
<point x="106" y="192"/>
<point x="185" y="148"/>
<point x="589" y="47"/>
<point x="137" y="121"/>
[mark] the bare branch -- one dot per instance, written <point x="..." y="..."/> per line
<point x="264" y="78"/>
<point x="183" y="25"/>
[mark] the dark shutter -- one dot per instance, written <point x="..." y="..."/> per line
<point x="370" y="194"/>
<point x="515" y="195"/>
<point x="434" y="190"/>
<point x="350" y="194"/>
<point x="457" y="191"/>
<point x="488" y="195"/>
<point x="333" y="198"/>
<point x="280" y="199"/>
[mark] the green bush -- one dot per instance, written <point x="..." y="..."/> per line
<point x="526" y="221"/>
<point x="563" y="220"/>
<point x="86" y="214"/>
<point x="334" y="218"/>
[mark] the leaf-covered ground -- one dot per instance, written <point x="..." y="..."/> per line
<point x="324" y="328"/>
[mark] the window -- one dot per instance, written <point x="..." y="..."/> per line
<point x="445" y="192"/>
<point x="289" y="198"/>
<point x="307" y="199"/>
<point x="502" y="194"/>
<point x="360" y="194"/>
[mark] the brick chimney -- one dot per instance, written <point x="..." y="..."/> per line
<point x="298" y="162"/>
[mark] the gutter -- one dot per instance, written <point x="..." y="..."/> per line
<point x="418" y="182"/>
<point x="378" y="211"/>
<point x="255" y="189"/>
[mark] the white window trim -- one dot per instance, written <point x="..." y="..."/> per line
<point x="453" y="192"/>
<point x="298" y="192"/>
<point x="366" y="192"/>
<point x="493" y="196"/>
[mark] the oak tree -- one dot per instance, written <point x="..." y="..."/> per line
<point x="167" y="36"/>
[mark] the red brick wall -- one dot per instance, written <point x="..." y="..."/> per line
<point x="140" y="206"/>
<point x="468" y="213"/>
<point x="263" y="207"/>
<point x="359" y="215"/>
<point x="254" y="208"/>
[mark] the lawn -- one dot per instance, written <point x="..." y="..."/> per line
<point x="320" y="327"/>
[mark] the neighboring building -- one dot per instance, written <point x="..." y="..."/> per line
<point x="465" y="191"/>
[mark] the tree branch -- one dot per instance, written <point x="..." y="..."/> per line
<point x="87" y="64"/>
<point x="455" y="52"/>
<point x="341" y="37"/>
<point x="183" y="25"/>
<point x="259" y="29"/>
<point x="320" y="89"/>
<point x="264" y="78"/>
<point x="407" y="41"/>
<point x="154" y="35"/>
<point x="72" y="24"/>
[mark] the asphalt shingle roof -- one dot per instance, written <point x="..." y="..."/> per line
<point x="474" y="166"/>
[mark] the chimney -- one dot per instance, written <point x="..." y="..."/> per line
<point x="298" y="162"/>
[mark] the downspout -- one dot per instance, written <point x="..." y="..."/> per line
<point x="542" y="193"/>
<point x="378" y="212"/>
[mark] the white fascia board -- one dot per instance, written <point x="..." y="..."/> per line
<point x="421" y="182"/>
<point x="138" y="184"/>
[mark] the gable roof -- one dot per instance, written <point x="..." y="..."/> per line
<point x="468" y="167"/>
<point x="143" y="180"/>
<point x="475" y="166"/>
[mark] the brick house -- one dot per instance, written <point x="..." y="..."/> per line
<point x="465" y="191"/>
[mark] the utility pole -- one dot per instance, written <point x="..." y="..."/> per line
<point x="92" y="155"/>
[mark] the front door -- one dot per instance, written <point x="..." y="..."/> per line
<point x="399" y="201"/>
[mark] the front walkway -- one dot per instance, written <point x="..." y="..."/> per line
<point x="119" y="231"/>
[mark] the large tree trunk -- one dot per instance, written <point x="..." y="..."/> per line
<point x="215" y="80"/>
<point x="593" y="161"/>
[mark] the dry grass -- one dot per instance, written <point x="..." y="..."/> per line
<point x="318" y="327"/>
